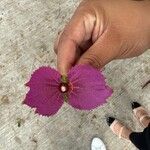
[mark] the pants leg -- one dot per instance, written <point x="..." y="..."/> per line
<point x="141" y="139"/>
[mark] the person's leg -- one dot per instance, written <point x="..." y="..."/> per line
<point x="142" y="139"/>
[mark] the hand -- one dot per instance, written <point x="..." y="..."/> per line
<point x="101" y="31"/>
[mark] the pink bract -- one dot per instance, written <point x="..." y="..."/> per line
<point x="88" y="89"/>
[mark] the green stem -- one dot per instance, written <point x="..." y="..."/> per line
<point x="64" y="79"/>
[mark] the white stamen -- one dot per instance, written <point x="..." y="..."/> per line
<point x="63" y="88"/>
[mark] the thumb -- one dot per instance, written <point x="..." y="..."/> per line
<point x="68" y="45"/>
<point x="66" y="55"/>
<point x="104" y="50"/>
<point x="77" y="31"/>
<point x="94" y="57"/>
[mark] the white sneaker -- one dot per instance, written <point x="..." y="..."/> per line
<point x="97" y="144"/>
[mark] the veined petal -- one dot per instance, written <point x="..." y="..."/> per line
<point x="44" y="76"/>
<point x="44" y="94"/>
<point x="89" y="89"/>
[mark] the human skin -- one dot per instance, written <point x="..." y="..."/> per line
<point x="104" y="30"/>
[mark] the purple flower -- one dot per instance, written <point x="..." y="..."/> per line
<point x="83" y="88"/>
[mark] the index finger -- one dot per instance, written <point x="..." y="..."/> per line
<point x="69" y="41"/>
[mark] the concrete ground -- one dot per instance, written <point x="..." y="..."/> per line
<point x="27" y="32"/>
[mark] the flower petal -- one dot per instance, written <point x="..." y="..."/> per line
<point x="89" y="87"/>
<point x="44" y="94"/>
<point x="43" y="76"/>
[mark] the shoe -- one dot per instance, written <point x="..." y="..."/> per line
<point x="140" y="113"/>
<point x="135" y="105"/>
<point x="119" y="131"/>
<point x="97" y="144"/>
<point x="110" y="120"/>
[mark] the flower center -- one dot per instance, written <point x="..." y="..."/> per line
<point x="64" y="87"/>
